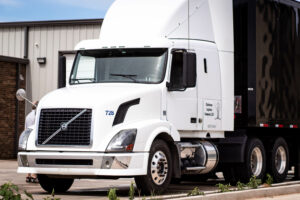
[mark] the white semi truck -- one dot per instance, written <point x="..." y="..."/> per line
<point x="174" y="88"/>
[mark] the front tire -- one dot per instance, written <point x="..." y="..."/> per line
<point x="159" y="172"/>
<point x="279" y="160"/>
<point x="59" y="185"/>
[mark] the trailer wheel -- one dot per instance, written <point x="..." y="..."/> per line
<point x="159" y="170"/>
<point x="59" y="185"/>
<point x="255" y="161"/>
<point x="279" y="160"/>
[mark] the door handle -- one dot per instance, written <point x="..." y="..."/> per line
<point x="193" y="120"/>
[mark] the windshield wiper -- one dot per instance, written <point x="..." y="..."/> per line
<point x="129" y="76"/>
<point x="83" y="79"/>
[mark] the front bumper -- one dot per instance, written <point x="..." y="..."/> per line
<point x="83" y="164"/>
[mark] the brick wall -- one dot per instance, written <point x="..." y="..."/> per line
<point x="8" y="87"/>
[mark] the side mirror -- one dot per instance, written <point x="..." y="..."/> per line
<point x="62" y="72"/>
<point x="21" y="94"/>
<point x="183" y="71"/>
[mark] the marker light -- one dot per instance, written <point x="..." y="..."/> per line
<point x="23" y="139"/>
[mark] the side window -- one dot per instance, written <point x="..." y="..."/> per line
<point x="183" y="71"/>
<point x="84" y="70"/>
<point x="87" y="68"/>
<point x="177" y="71"/>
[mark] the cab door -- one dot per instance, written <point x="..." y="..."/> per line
<point x="182" y="104"/>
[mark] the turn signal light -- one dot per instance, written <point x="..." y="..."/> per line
<point x="130" y="147"/>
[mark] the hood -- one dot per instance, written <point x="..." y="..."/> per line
<point x="104" y="99"/>
<point x="93" y="95"/>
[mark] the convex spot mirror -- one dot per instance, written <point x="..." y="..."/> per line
<point x="183" y="71"/>
<point x="21" y="94"/>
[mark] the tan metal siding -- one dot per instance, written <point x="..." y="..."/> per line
<point x="47" y="42"/>
<point x="12" y="42"/>
<point x="44" y="41"/>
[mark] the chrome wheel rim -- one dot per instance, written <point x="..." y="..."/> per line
<point x="256" y="161"/>
<point x="280" y="160"/>
<point x="159" y="168"/>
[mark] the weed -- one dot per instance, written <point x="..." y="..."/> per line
<point x="269" y="180"/>
<point x="112" y="194"/>
<point x="153" y="196"/>
<point x="139" y="192"/>
<point x="254" y="183"/>
<point x="223" y="188"/>
<point x="52" y="196"/>
<point x="131" y="191"/>
<point x="195" y="192"/>
<point x="240" y="186"/>
<point x="9" y="191"/>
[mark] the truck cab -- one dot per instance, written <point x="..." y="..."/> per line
<point x="146" y="100"/>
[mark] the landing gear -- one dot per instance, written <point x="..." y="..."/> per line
<point x="159" y="173"/>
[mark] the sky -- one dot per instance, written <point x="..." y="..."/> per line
<point x="36" y="10"/>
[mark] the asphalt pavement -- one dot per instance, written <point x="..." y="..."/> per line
<point x="89" y="189"/>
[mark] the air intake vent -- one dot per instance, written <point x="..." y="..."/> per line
<point x="78" y="132"/>
<point x="63" y="162"/>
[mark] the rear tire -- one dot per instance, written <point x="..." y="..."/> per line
<point x="279" y="160"/>
<point x="254" y="164"/>
<point x="255" y="161"/>
<point x="159" y="171"/>
<point x="59" y="185"/>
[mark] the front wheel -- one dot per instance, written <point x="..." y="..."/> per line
<point x="159" y="172"/>
<point x="59" y="185"/>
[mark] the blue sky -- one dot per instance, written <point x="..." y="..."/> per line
<point x="34" y="10"/>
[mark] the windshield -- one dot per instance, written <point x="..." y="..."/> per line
<point x="119" y="65"/>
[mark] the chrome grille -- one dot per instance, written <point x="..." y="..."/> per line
<point x="77" y="133"/>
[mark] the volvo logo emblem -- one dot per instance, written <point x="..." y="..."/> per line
<point x="64" y="126"/>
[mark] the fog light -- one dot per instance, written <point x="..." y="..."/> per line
<point x="106" y="163"/>
<point x="115" y="162"/>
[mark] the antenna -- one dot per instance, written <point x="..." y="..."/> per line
<point x="188" y="24"/>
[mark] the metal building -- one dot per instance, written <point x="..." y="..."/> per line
<point x="42" y="42"/>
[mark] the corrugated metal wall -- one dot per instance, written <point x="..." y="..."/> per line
<point x="12" y="42"/>
<point x="47" y="42"/>
<point x="44" y="41"/>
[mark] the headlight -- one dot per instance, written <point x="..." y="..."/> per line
<point x="123" y="141"/>
<point x="23" y="139"/>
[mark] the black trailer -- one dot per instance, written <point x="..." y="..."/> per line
<point x="267" y="91"/>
